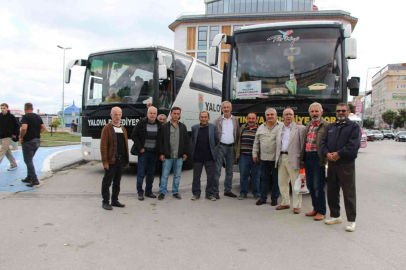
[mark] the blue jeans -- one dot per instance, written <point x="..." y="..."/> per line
<point x="176" y="163"/>
<point x="268" y="171"/>
<point x="29" y="150"/>
<point x="316" y="181"/>
<point x="146" y="166"/>
<point x="249" y="167"/>
<point x="226" y="153"/>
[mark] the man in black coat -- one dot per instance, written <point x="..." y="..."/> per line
<point x="340" y="145"/>
<point x="145" y="138"/>
<point x="9" y="130"/>
<point x="173" y="150"/>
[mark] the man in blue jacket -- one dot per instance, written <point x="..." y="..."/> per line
<point x="204" y="142"/>
<point x="340" y="145"/>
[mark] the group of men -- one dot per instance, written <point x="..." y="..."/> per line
<point x="28" y="135"/>
<point x="273" y="152"/>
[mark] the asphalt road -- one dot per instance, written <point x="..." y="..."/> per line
<point x="61" y="225"/>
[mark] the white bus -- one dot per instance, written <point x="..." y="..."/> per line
<point x="131" y="78"/>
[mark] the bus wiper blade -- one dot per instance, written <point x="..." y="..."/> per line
<point x="123" y="106"/>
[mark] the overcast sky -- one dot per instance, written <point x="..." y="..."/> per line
<point x="31" y="64"/>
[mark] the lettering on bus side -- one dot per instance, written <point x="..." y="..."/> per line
<point x="102" y="122"/>
<point x="212" y="107"/>
<point x="302" y="119"/>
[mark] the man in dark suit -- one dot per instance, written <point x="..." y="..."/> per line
<point x="204" y="142"/>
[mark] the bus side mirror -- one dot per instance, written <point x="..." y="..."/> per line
<point x="350" y="48"/>
<point x="78" y="62"/>
<point x="214" y="49"/>
<point x="213" y="56"/>
<point x="162" y="69"/>
<point x="353" y="85"/>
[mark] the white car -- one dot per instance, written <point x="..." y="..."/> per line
<point x="378" y="135"/>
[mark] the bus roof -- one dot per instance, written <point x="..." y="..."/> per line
<point x="288" y="25"/>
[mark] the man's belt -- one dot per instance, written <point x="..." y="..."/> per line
<point x="225" y="144"/>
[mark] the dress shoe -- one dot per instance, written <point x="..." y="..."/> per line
<point x="274" y="202"/>
<point x="282" y="207"/>
<point x="319" y="217"/>
<point x="107" y="206"/>
<point x="140" y="197"/>
<point x="260" y="202"/>
<point x="33" y="183"/>
<point x="311" y="214"/>
<point x="117" y="204"/>
<point x="296" y="210"/>
<point x="177" y="196"/>
<point x="26" y="180"/>
<point x="217" y="196"/>
<point x="150" y="195"/>
<point x="230" y="194"/>
<point x="161" y="196"/>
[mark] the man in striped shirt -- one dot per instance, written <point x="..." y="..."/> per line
<point x="244" y="157"/>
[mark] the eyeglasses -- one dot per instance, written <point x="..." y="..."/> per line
<point x="342" y="111"/>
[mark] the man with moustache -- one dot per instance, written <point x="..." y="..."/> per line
<point x="162" y="118"/>
<point x="244" y="157"/>
<point x="145" y="136"/>
<point x="340" y="145"/>
<point x="264" y="153"/>
<point x="228" y="132"/>
<point x="115" y="156"/>
<point x="204" y="141"/>
<point x="289" y="147"/>
<point x="315" y="162"/>
<point x="173" y="150"/>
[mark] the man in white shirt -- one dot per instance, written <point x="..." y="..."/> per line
<point x="228" y="132"/>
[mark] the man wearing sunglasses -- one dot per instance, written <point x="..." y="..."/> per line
<point x="340" y="145"/>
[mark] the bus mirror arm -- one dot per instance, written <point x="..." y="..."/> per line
<point x="77" y="62"/>
<point x="353" y="85"/>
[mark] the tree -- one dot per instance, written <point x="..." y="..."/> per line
<point x="55" y="124"/>
<point x="369" y="124"/>
<point x="400" y="119"/>
<point x="389" y="116"/>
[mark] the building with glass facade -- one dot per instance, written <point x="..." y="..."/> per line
<point x="388" y="92"/>
<point x="194" y="33"/>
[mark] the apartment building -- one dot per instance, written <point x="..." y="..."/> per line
<point x="194" y="33"/>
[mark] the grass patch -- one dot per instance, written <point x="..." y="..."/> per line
<point x="59" y="136"/>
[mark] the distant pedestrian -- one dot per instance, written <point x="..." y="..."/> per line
<point x="9" y="130"/>
<point x="315" y="162"/>
<point x="228" y="131"/>
<point x="289" y="146"/>
<point x="264" y="153"/>
<point x="31" y="128"/>
<point x="162" y="118"/>
<point x="244" y="158"/>
<point x="340" y="146"/>
<point x="173" y="150"/>
<point x="115" y="156"/>
<point x="204" y="141"/>
<point x="145" y="138"/>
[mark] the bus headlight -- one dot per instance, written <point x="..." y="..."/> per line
<point x="86" y="153"/>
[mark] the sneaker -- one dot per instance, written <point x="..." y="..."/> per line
<point x="211" y="198"/>
<point x="12" y="168"/>
<point x="107" y="206"/>
<point x="177" y="196"/>
<point x="140" y="197"/>
<point x="242" y="197"/>
<point x="333" y="220"/>
<point x="195" y="197"/>
<point x="161" y="196"/>
<point x="350" y="227"/>
<point x="150" y="195"/>
<point x="230" y="194"/>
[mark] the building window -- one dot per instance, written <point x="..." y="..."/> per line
<point x="260" y="5"/>
<point x="226" y="6"/>
<point x="242" y="7"/>
<point x="232" y="3"/>
<point x="221" y="7"/>
<point x="401" y="78"/>
<point x="202" y="45"/>
<point x="401" y="86"/>
<point x="202" y="56"/>
<point x="237" y="6"/>
<point x="210" y="8"/>
<point x="214" y="30"/>
<point x="215" y="7"/>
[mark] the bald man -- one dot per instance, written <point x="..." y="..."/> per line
<point x="114" y="154"/>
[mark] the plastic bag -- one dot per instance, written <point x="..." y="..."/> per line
<point x="300" y="184"/>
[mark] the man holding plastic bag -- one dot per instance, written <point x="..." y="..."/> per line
<point x="289" y="144"/>
<point x="315" y="162"/>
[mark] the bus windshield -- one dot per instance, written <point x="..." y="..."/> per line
<point x="122" y="78"/>
<point x="298" y="62"/>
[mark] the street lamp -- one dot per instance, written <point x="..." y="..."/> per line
<point x="365" y="94"/>
<point x="63" y="85"/>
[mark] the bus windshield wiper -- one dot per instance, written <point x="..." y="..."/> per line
<point x="122" y="106"/>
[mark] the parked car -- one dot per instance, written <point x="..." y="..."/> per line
<point x="378" y="135"/>
<point x="400" y="136"/>
<point x="363" y="140"/>
<point x="370" y="135"/>
<point x="388" y="134"/>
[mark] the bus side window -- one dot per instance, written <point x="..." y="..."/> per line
<point x="201" y="79"/>
<point x="165" y="96"/>
<point x="217" y="82"/>
<point x="182" y="65"/>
